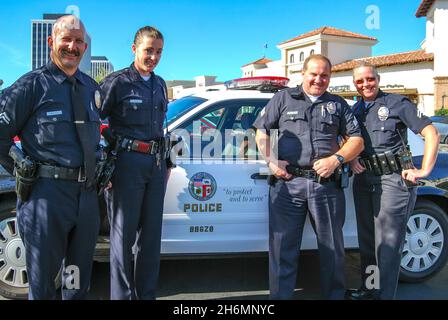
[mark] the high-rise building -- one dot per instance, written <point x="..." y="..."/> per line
<point x="101" y="67"/>
<point x="40" y="52"/>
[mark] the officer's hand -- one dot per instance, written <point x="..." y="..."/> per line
<point x="109" y="186"/>
<point x="326" y="166"/>
<point x="356" y="166"/>
<point x="413" y="174"/>
<point x="278" y="169"/>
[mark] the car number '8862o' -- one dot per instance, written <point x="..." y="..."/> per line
<point x="201" y="228"/>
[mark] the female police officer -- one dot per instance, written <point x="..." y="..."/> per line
<point x="135" y="101"/>
<point x="382" y="197"/>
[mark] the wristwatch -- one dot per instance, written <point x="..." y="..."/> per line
<point x="340" y="158"/>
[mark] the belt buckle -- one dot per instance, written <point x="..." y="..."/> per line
<point x="310" y="174"/>
<point x="82" y="175"/>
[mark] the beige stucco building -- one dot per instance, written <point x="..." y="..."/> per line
<point x="421" y="74"/>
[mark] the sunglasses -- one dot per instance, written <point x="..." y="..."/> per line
<point x="369" y="80"/>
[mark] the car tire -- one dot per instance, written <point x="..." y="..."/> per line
<point x="13" y="274"/>
<point x="425" y="250"/>
<point x="11" y="286"/>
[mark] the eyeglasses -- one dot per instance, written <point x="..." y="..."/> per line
<point x="369" y="80"/>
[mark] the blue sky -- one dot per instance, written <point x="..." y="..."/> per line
<point x="206" y="37"/>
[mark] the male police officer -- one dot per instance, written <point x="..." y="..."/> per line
<point x="382" y="192"/>
<point x="53" y="111"/>
<point x="309" y="121"/>
<point x="135" y="103"/>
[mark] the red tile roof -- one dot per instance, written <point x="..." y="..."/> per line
<point x="332" y="32"/>
<point x="423" y="8"/>
<point x="259" y="61"/>
<point x="387" y="60"/>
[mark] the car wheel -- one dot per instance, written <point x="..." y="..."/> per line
<point x="425" y="250"/>
<point x="445" y="141"/>
<point x="13" y="274"/>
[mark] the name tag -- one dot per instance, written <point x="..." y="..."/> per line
<point x="291" y="113"/>
<point x="54" y="113"/>
<point x="136" y="101"/>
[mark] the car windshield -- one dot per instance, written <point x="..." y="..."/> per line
<point x="179" y="107"/>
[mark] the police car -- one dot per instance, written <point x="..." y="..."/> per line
<point x="217" y="196"/>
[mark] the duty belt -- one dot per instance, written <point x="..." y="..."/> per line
<point x="56" y="172"/>
<point x="150" y="147"/>
<point x="308" y="174"/>
<point x="386" y="163"/>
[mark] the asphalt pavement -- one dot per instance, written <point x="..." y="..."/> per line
<point x="246" y="278"/>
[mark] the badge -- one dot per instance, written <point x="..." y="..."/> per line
<point x="98" y="99"/>
<point x="383" y="113"/>
<point x="331" y="108"/>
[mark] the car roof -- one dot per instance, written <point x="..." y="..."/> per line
<point x="233" y="94"/>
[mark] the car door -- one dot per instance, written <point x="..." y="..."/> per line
<point x="217" y="196"/>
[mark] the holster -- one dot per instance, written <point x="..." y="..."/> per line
<point x="24" y="186"/>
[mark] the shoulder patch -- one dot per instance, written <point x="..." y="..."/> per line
<point x="4" y="119"/>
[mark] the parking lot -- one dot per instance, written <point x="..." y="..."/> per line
<point x="247" y="279"/>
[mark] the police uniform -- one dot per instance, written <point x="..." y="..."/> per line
<point x="307" y="131"/>
<point x="136" y="111"/>
<point x="383" y="201"/>
<point x="60" y="220"/>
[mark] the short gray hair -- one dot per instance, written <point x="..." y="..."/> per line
<point x="68" y="21"/>
<point x="365" y="64"/>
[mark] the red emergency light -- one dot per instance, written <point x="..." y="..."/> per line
<point x="263" y="83"/>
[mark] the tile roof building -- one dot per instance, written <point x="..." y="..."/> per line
<point x="422" y="74"/>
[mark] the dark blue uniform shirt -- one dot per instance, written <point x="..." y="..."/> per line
<point x="38" y="109"/>
<point x="136" y="108"/>
<point x="385" y="119"/>
<point x="307" y="131"/>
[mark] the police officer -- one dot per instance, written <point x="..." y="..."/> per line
<point x="384" y="185"/>
<point x="309" y="121"/>
<point x="53" y="111"/>
<point x="135" y="101"/>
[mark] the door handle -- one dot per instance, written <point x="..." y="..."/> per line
<point x="258" y="176"/>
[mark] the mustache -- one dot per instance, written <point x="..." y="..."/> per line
<point x="75" y="52"/>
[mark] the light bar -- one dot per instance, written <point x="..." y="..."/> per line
<point x="258" y="83"/>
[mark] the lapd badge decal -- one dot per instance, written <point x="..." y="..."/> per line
<point x="331" y="108"/>
<point x="97" y="99"/>
<point x="383" y="113"/>
<point x="202" y="186"/>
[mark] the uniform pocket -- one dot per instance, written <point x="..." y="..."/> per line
<point x="54" y="127"/>
<point x="294" y="123"/>
<point x="329" y="123"/>
<point x="134" y="112"/>
<point x="384" y="132"/>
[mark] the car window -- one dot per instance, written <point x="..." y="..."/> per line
<point x="240" y="128"/>
<point x="178" y="108"/>
<point x="224" y="130"/>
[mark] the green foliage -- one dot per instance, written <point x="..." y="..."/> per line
<point x="441" y="112"/>
<point x="101" y="75"/>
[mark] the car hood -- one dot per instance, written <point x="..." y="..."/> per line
<point x="439" y="174"/>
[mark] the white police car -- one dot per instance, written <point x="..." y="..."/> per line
<point x="217" y="196"/>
